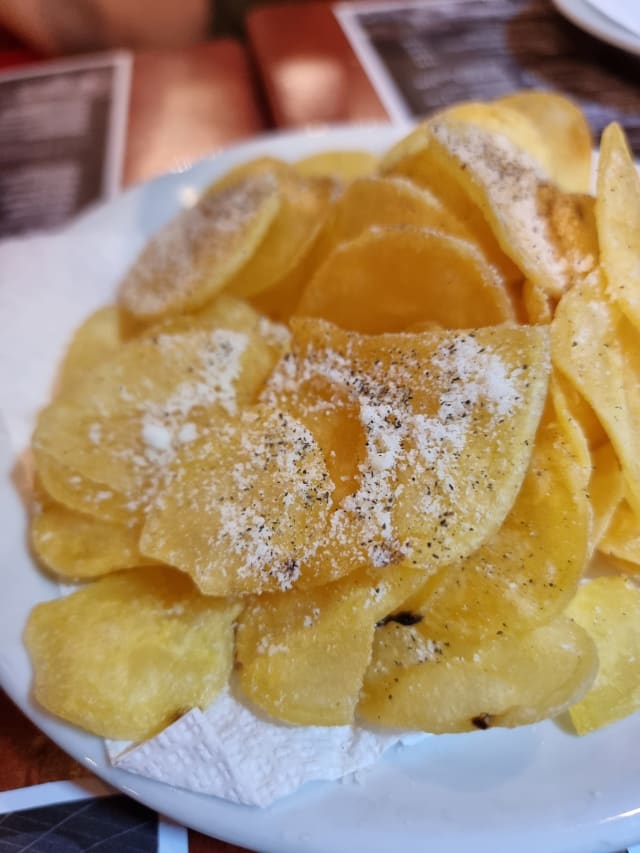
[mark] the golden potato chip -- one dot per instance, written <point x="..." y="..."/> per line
<point x="386" y="202"/>
<point x="196" y="254"/>
<point x="97" y="339"/>
<point x="81" y="494"/>
<point x="528" y="571"/>
<point x="565" y="131"/>
<point x="122" y="425"/>
<point x="608" y="608"/>
<point x="538" y="304"/>
<point x="606" y="492"/>
<point x="498" y="119"/>
<point x="597" y="348"/>
<point x="544" y="231"/>
<point x="416" y="158"/>
<point x="572" y="431"/>
<point x="344" y="165"/>
<point x="77" y="546"/>
<point x="569" y="400"/>
<point x="416" y="683"/>
<point x="386" y="280"/>
<point x="245" y="508"/>
<point x="622" y="536"/>
<point x="449" y="420"/>
<point x="302" y="654"/>
<point x="127" y="654"/>
<point x="257" y="167"/>
<point x="303" y="208"/>
<point x="618" y="218"/>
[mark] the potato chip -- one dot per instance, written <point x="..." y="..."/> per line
<point x="78" y="547"/>
<point x="598" y="349"/>
<point x="449" y="420"/>
<point x="245" y="508"/>
<point x="528" y="571"/>
<point x="128" y="654"/>
<point x="566" y="134"/>
<point x="386" y="280"/>
<point x="343" y="165"/>
<point x="608" y="608"/>
<point x="97" y="339"/>
<point x="544" y="231"/>
<point x="416" y="683"/>
<point x="386" y="202"/>
<point x="302" y="655"/>
<point x="538" y="304"/>
<point x="123" y="424"/>
<point x="416" y="158"/>
<point x="568" y="399"/>
<point x="606" y="493"/>
<point x="498" y="119"/>
<point x="303" y="208"/>
<point x="618" y="218"/>
<point x="196" y="254"/>
<point x="81" y="494"/>
<point x="622" y="536"/>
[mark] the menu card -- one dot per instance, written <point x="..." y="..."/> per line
<point x="62" y="139"/>
<point x="425" y="54"/>
<point x="83" y="815"/>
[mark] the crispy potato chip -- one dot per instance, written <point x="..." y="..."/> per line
<point x="622" y="536"/>
<point x="569" y="400"/>
<point x="538" y="304"/>
<point x="387" y="280"/>
<point x="528" y="571"/>
<point x="498" y="119"/>
<point x="96" y="340"/>
<point x="196" y="254"/>
<point x="343" y="165"/>
<point x="416" y="683"/>
<point x="566" y="134"/>
<point x="81" y="494"/>
<point x="608" y="608"/>
<point x="77" y="546"/>
<point x="572" y="431"/>
<point x="271" y="167"/>
<point x="386" y="202"/>
<point x="598" y="349"/>
<point x="122" y="425"/>
<point x="416" y="158"/>
<point x="304" y="206"/>
<point x="302" y="654"/>
<point x="618" y="218"/>
<point x="245" y="508"/>
<point x="449" y="420"/>
<point x="544" y="231"/>
<point x="606" y="492"/>
<point x="129" y="653"/>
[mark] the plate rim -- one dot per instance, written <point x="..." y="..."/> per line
<point x="586" y="18"/>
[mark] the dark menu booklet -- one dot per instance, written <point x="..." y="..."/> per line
<point x="62" y="133"/>
<point x="425" y="54"/>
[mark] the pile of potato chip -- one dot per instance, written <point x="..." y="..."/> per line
<point x="358" y="435"/>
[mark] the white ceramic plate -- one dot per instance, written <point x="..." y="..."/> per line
<point x="535" y="790"/>
<point x="583" y="15"/>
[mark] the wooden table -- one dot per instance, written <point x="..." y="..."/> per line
<point x="187" y="103"/>
<point x="308" y="69"/>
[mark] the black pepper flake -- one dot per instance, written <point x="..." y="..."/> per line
<point x="482" y="721"/>
<point x="404" y="617"/>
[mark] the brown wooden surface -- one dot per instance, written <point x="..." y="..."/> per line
<point x="309" y="71"/>
<point x="187" y="103"/>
